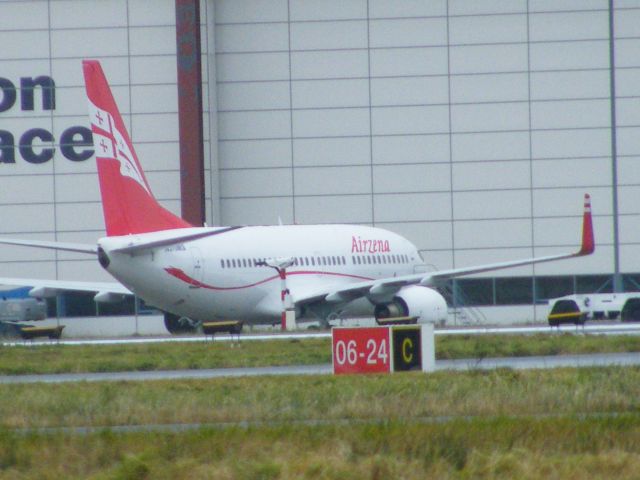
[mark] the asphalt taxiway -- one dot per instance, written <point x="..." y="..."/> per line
<point x="517" y="363"/>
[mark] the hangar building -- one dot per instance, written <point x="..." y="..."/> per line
<point x="472" y="128"/>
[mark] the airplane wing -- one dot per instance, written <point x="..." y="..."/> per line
<point x="45" y="288"/>
<point x="388" y="287"/>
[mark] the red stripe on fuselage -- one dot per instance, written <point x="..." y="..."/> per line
<point x="181" y="275"/>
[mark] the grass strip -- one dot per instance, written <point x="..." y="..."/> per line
<point x="308" y="398"/>
<point x="175" y="356"/>
<point x="493" y="448"/>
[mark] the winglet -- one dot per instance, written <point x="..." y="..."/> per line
<point x="588" y="244"/>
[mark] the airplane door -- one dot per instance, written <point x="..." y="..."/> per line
<point x="197" y="272"/>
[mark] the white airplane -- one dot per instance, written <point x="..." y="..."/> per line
<point x="198" y="274"/>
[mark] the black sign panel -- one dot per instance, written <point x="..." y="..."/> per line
<point x="406" y="349"/>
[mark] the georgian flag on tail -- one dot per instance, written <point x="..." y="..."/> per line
<point x="110" y="144"/>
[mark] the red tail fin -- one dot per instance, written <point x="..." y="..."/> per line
<point x="127" y="201"/>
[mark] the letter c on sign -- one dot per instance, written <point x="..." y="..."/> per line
<point x="407" y="350"/>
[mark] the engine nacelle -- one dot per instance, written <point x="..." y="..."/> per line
<point x="415" y="301"/>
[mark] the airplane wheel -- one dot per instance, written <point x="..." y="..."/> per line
<point x="177" y="325"/>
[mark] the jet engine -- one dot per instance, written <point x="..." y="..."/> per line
<point x="414" y="301"/>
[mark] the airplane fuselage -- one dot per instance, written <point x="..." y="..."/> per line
<point x="222" y="276"/>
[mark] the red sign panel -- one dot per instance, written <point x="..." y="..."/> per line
<point x="361" y="350"/>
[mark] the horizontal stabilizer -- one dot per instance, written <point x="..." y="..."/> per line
<point x="66" y="246"/>
<point x="172" y="237"/>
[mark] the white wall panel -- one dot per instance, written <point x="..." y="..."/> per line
<point x="326" y="35"/>
<point x="256" y="211"/>
<point x="409" y="91"/>
<point x="332" y="151"/>
<point x="629" y="199"/>
<point x="628" y="140"/>
<point x="252" y="66"/>
<point x="412" y="207"/>
<point x="152" y="12"/>
<point x="27" y="218"/>
<point x="157" y="155"/>
<point x="333" y="180"/>
<point x="569" y="26"/>
<point x="488" y="58"/>
<point x="272" y="182"/>
<point x="164" y="185"/>
<point x="571" y="143"/>
<point x="67" y="72"/>
<point x="77" y="188"/>
<point x="327" y="10"/>
<point x="153" y="70"/>
<point x="409" y="120"/>
<point x="628" y="111"/>
<point x="154" y="99"/>
<point x="329" y="64"/>
<point x="489" y="117"/>
<point x="569" y="202"/>
<point x="253" y="95"/>
<point x="627" y="21"/>
<point x="255" y="153"/>
<point x="22" y="45"/>
<point x="79" y="216"/>
<point x="494" y="204"/>
<point x="409" y="61"/>
<point x="566" y="5"/>
<point x="488" y="29"/>
<point x="406" y="8"/>
<point x="408" y="32"/>
<point x="81" y="270"/>
<point x="14" y="69"/>
<point x="157" y="127"/>
<point x="36" y="269"/>
<point x="411" y="149"/>
<point x="565" y="85"/>
<point x="239" y="11"/>
<point x="629" y="170"/>
<point x="628" y="82"/>
<point x="261" y="37"/>
<point x="152" y="40"/>
<point x="630" y="257"/>
<point x="87" y="43"/>
<point x="489" y="234"/>
<point x="330" y="93"/>
<point x="245" y="125"/>
<point x="432" y="177"/>
<point x="489" y="88"/>
<point x="491" y="175"/>
<point x="571" y="114"/>
<point x="569" y="56"/>
<point x="76" y="13"/>
<point x="424" y="235"/>
<point x="490" y="146"/>
<point x="333" y="209"/>
<point x="563" y="232"/>
<point x="585" y="172"/>
<point x="24" y="16"/>
<point x="25" y="189"/>
<point x="471" y="7"/>
<point x="334" y="122"/>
